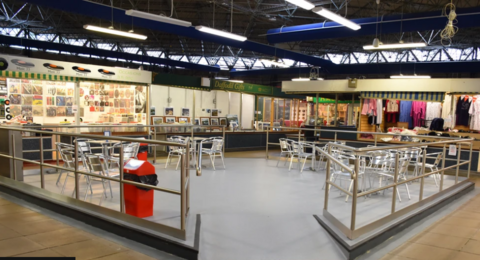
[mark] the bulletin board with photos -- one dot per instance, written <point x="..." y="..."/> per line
<point x="41" y="101"/>
<point x="102" y="102"/>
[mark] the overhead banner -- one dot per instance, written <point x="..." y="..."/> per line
<point x="241" y="87"/>
<point x="413" y="96"/>
<point x="60" y="70"/>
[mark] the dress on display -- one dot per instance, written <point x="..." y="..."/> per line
<point x="418" y="113"/>
<point x="433" y="111"/>
<point x="391" y="111"/>
<point x="463" y="106"/>
<point x="474" y="111"/>
<point x="369" y="107"/>
<point x="405" y="113"/>
<point x="447" y="115"/>
<point x="379" y="111"/>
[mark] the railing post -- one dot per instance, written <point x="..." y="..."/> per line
<point x="13" y="159"/>
<point x="327" y="178"/>
<point x="187" y="173"/>
<point x="120" y="169"/>
<point x="266" y="149"/>
<point x="375" y="139"/>
<point x="224" y="141"/>
<point x="42" y="176"/>
<point x="354" y="194"/>
<point x="470" y="160"/>
<point x="77" y="187"/>
<point x="395" y="179"/>
<point x="155" y="146"/>
<point x="299" y="133"/>
<point x="183" y="210"/>
<point x="458" y="162"/>
<point x="422" y="180"/>
<point x="443" y="165"/>
<point x="335" y="138"/>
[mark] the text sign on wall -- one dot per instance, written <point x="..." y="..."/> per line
<point x="241" y="87"/>
<point x="71" y="69"/>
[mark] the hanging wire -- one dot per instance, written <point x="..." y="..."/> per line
<point x="111" y="2"/>
<point x="450" y="30"/>
<point x="213" y="25"/>
<point x="231" y="16"/>
<point x="171" y="9"/>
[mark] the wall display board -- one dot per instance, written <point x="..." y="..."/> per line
<point x="113" y="103"/>
<point x="44" y="102"/>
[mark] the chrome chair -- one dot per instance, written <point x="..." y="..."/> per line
<point x="285" y="149"/>
<point x="61" y="149"/>
<point x="130" y="150"/>
<point x="402" y="175"/>
<point x="97" y="164"/>
<point x="298" y="151"/>
<point x="174" y="150"/>
<point x="432" y="167"/>
<point x="216" y="149"/>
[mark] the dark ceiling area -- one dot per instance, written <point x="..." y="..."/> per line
<point x="169" y="48"/>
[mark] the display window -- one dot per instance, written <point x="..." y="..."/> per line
<point x="113" y="103"/>
<point x="40" y="101"/>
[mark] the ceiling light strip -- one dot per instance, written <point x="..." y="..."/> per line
<point x="159" y="18"/>
<point x="395" y="46"/>
<point x="410" y="76"/>
<point x="225" y="34"/>
<point x="336" y="18"/>
<point x="114" y="32"/>
<point x="302" y="4"/>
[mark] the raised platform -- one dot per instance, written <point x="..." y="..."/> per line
<point x="356" y="247"/>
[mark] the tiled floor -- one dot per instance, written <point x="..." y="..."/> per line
<point x="26" y="233"/>
<point x="454" y="237"/>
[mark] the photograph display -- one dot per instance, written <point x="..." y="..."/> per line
<point x="169" y="111"/>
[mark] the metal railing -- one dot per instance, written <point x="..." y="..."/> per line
<point x="184" y="191"/>
<point x="353" y="230"/>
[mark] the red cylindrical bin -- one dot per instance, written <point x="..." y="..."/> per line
<point x="143" y="152"/>
<point x="139" y="201"/>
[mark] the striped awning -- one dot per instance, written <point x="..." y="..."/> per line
<point x="28" y="75"/>
<point x="413" y="96"/>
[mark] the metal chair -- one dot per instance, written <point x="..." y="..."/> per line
<point x="339" y="172"/>
<point x="130" y="150"/>
<point x="97" y="164"/>
<point x="217" y="148"/>
<point x="298" y="150"/>
<point x="402" y="172"/>
<point x="61" y="148"/>
<point x="174" y="150"/>
<point x="432" y="167"/>
<point x="285" y="149"/>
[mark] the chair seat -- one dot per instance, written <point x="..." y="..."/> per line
<point x="429" y="165"/>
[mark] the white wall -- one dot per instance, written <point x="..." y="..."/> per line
<point x="227" y="102"/>
<point x="248" y="108"/>
<point x="235" y="103"/>
<point x="223" y="102"/>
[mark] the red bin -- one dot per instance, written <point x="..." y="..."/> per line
<point x="139" y="201"/>
<point x="143" y="152"/>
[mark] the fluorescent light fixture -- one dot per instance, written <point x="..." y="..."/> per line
<point x="306" y="79"/>
<point x="159" y="18"/>
<point x="221" y="33"/>
<point x="235" y="81"/>
<point x="410" y="76"/>
<point x="395" y="46"/>
<point x="275" y="63"/>
<point x="336" y="18"/>
<point x="302" y="3"/>
<point x="115" y="32"/>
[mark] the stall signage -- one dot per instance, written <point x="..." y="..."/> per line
<point x="241" y="87"/>
<point x="71" y="69"/>
<point x="332" y="101"/>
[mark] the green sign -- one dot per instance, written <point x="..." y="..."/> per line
<point x="332" y="101"/>
<point x="241" y="87"/>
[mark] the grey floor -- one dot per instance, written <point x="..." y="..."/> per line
<point x="255" y="210"/>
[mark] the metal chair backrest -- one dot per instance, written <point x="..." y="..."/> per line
<point x="83" y="145"/>
<point x="404" y="162"/>
<point x="284" y="146"/>
<point x="67" y="152"/>
<point x="95" y="163"/>
<point x="297" y="147"/>
<point x="217" y="145"/>
<point x="130" y="150"/>
<point x="438" y="159"/>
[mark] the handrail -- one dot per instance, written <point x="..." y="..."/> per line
<point x="347" y="168"/>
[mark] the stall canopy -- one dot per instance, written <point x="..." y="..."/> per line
<point x="414" y="96"/>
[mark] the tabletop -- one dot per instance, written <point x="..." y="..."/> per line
<point x="103" y="142"/>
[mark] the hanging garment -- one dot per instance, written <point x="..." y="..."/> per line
<point x="379" y="111"/>
<point x="369" y="107"/>
<point x="437" y="124"/>
<point x="418" y="113"/>
<point x="434" y="110"/>
<point x="405" y="111"/>
<point x="447" y="115"/>
<point x="391" y="110"/>
<point x="474" y="112"/>
<point x="463" y="106"/>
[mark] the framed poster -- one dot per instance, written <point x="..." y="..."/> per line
<point x="214" y="112"/>
<point x="196" y="121"/>
<point x="185" y="111"/>
<point x="170" y="119"/>
<point x="223" y="121"/>
<point x="205" y="120"/>
<point x="183" y="120"/>
<point x="214" y="121"/>
<point x="169" y="111"/>
<point x="156" y="120"/>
